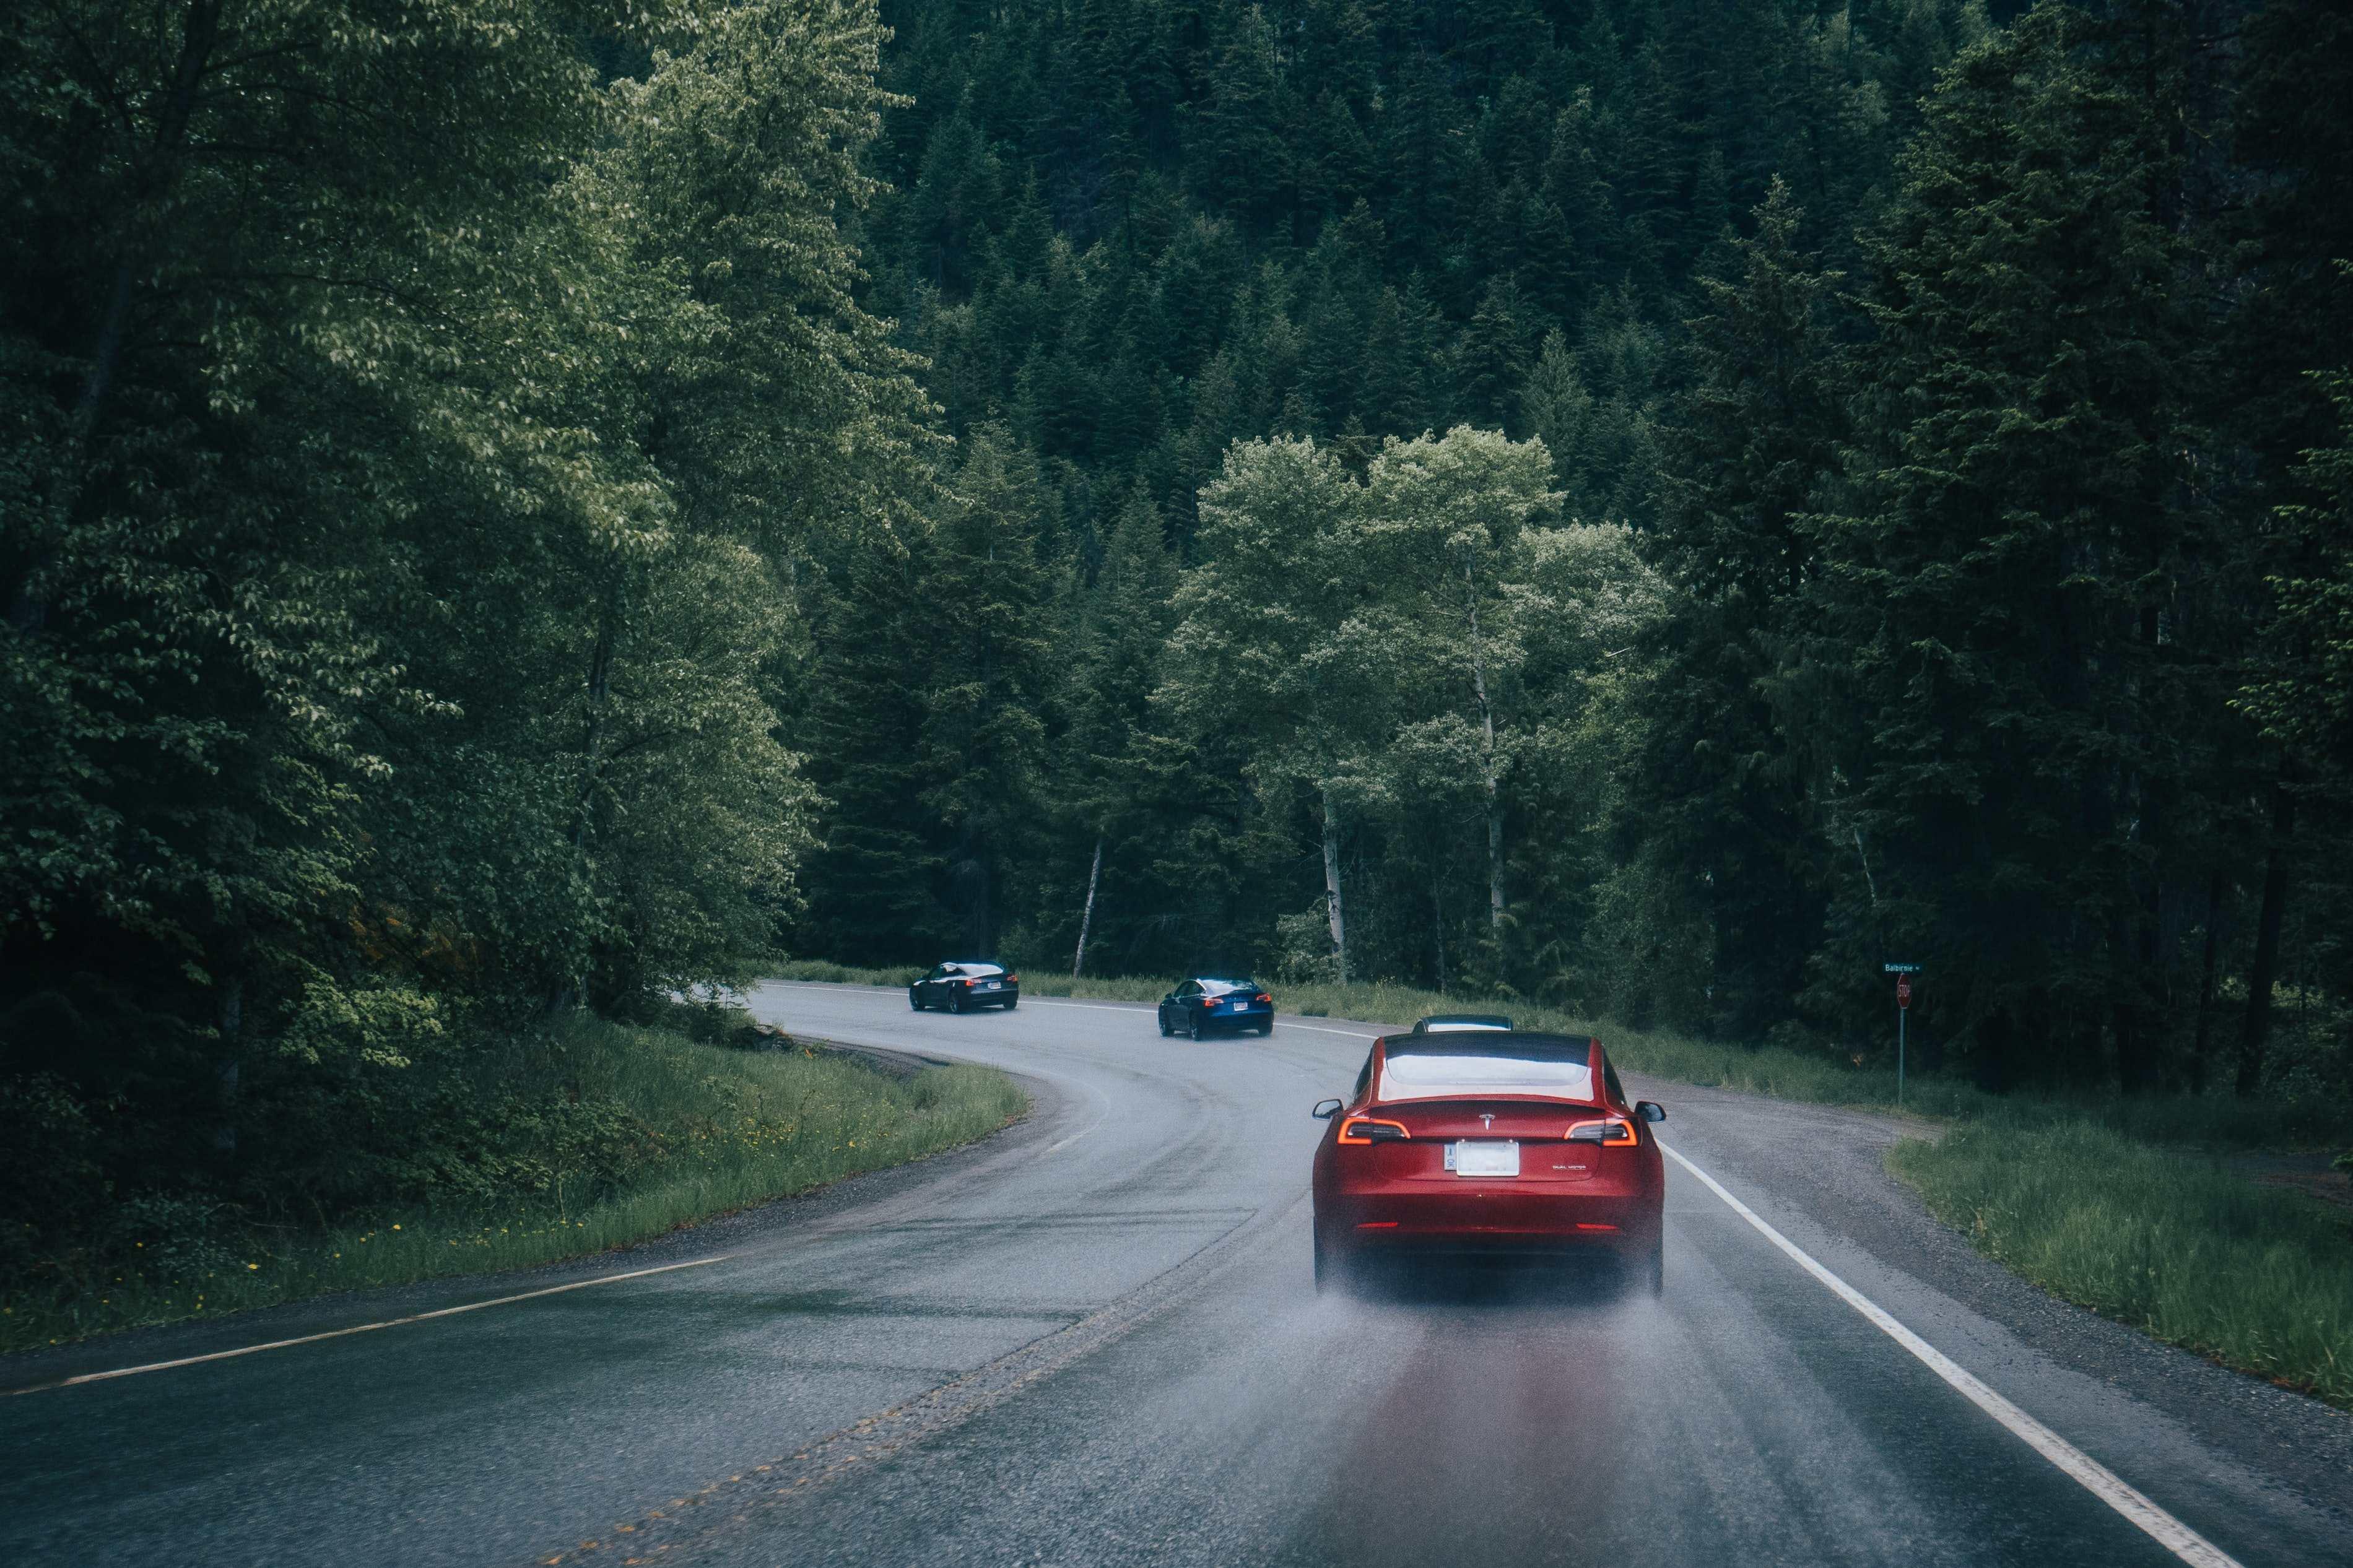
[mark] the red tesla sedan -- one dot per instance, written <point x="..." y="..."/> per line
<point x="1493" y="1142"/>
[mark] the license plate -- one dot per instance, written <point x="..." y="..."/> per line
<point x="1470" y="1158"/>
<point x="989" y="985"/>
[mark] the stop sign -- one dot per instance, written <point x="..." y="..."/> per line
<point x="1903" y="991"/>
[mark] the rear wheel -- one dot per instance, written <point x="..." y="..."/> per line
<point x="956" y="1001"/>
<point x="915" y="999"/>
<point x="1011" y="1003"/>
<point x="1193" y="1027"/>
<point x="1165" y="1030"/>
<point x="1266" y="1027"/>
<point x="1652" y="1269"/>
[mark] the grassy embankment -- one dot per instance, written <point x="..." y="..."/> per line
<point x="705" y="1130"/>
<point x="2119" y="1204"/>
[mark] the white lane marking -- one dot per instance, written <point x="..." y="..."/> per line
<point x="367" y="1328"/>
<point x="2096" y="1478"/>
<point x="1320" y="1029"/>
<point x="1102" y="1111"/>
<point x="1058" y="1148"/>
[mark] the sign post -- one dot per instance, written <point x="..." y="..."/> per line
<point x="1903" y="973"/>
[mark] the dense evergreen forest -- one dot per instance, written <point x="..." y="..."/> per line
<point x="1658" y="505"/>
<point x="1934" y="559"/>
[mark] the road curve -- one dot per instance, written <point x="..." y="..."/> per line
<point x="1092" y="1341"/>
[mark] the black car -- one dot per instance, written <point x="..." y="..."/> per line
<point x="1197" y="1007"/>
<point x="965" y="984"/>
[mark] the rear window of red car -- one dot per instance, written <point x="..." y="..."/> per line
<point x="1467" y="1067"/>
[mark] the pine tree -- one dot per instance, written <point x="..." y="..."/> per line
<point x="1113" y="668"/>
<point x="1494" y="353"/>
<point x="958" y="189"/>
<point x="2288" y="348"/>
<point x="1238" y="137"/>
<point x="872" y="886"/>
<point x="986" y="607"/>
<point x="1590" y="245"/>
<point x="1995" y="601"/>
<point x="1719" y="790"/>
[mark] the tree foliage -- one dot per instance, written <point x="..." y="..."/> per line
<point x="409" y="437"/>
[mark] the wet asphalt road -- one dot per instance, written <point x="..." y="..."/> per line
<point x="1094" y="1340"/>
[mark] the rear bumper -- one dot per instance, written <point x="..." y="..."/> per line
<point x="1249" y="1020"/>
<point x="1487" y="1218"/>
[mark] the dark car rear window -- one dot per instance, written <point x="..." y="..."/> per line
<point x="1219" y="987"/>
<point x="982" y="969"/>
<point x="1458" y="1066"/>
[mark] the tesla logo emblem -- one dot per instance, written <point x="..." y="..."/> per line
<point x="1488" y="1118"/>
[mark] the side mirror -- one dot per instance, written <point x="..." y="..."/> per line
<point x="1649" y="1111"/>
<point x="1325" y="1109"/>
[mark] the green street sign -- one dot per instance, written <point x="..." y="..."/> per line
<point x="1901" y="968"/>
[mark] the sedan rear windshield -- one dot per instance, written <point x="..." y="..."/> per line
<point x="1219" y="987"/>
<point x="982" y="969"/>
<point x="1426" y="1067"/>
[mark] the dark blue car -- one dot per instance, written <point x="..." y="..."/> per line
<point x="1198" y="1007"/>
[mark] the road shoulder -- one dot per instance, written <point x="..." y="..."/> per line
<point x="1819" y="1172"/>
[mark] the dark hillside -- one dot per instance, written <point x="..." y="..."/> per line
<point x="1776" y="286"/>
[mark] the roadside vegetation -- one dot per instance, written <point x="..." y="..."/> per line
<point x="2256" y="1278"/>
<point x="589" y="1136"/>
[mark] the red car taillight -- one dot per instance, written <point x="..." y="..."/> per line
<point x="1365" y="1130"/>
<point x="1263" y="997"/>
<point x="1612" y="1134"/>
<point x="1013" y="980"/>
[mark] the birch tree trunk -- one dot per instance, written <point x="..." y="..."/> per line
<point x="2256" y="1034"/>
<point x="1331" y="883"/>
<point x="1487" y="726"/>
<point x="1086" y="916"/>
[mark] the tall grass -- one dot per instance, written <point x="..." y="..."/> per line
<point x="2256" y="1278"/>
<point x="716" y="1130"/>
